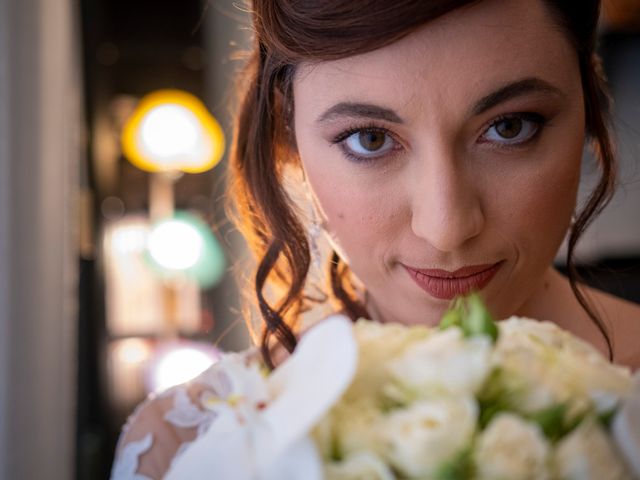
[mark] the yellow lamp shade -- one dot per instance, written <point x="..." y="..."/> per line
<point x="172" y="130"/>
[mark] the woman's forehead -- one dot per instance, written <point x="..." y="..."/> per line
<point x="474" y="49"/>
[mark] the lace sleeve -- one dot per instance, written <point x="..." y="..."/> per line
<point x="159" y="430"/>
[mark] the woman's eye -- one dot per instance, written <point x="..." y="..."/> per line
<point x="367" y="143"/>
<point x="514" y="129"/>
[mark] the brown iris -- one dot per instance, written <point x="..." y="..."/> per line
<point x="371" y="140"/>
<point x="509" y="127"/>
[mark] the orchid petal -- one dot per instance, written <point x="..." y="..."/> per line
<point x="310" y="382"/>
<point x="273" y="443"/>
<point x="215" y="455"/>
<point x="299" y="461"/>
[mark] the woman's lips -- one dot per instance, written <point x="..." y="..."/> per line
<point x="445" y="285"/>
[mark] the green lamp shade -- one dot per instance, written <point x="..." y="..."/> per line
<point x="185" y="245"/>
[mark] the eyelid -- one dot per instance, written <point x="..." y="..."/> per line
<point x="343" y="135"/>
<point x="341" y="138"/>
<point x="538" y="119"/>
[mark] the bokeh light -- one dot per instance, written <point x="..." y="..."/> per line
<point x="185" y="244"/>
<point x="179" y="362"/>
<point x="172" y="130"/>
<point x="131" y="238"/>
<point x="175" y="244"/>
<point x="131" y="351"/>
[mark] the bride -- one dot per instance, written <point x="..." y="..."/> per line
<point x="439" y="145"/>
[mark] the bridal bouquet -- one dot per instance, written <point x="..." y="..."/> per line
<point x="473" y="399"/>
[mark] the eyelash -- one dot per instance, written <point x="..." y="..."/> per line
<point x="538" y="121"/>
<point x="341" y="138"/>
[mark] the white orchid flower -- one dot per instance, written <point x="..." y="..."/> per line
<point x="268" y="438"/>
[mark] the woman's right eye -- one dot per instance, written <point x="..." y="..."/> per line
<point x="366" y="143"/>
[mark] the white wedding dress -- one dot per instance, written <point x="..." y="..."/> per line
<point x="165" y="424"/>
<point x="234" y="422"/>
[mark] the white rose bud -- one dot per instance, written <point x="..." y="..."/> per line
<point x="359" y="466"/>
<point x="420" y="438"/>
<point x="588" y="454"/>
<point x="356" y="426"/>
<point x="548" y="365"/>
<point x="445" y="363"/>
<point x="511" y="449"/>
<point x="377" y="344"/>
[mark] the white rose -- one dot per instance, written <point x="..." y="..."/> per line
<point x="626" y="427"/>
<point x="588" y="454"/>
<point x="356" y="427"/>
<point x="548" y="365"/>
<point x="444" y="363"/>
<point x="351" y="425"/>
<point x="421" y="437"/>
<point x="511" y="449"/>
<point x="378" y="343"/>
<point x="359" y="466"/>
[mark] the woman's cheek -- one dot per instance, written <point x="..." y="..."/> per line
<point x="361" y="223"/>
<point x="350" y="216"/>
<point x="542" y="203"/>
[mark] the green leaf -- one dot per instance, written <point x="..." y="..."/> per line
<point x="494" y="397"/>
<point x="451" y="318"/>
<point x="606" y="417"/>
<point x="458" y="468"/>
<point x="478" y="320"/>
<point x="472" y="316"/>
<point x="552" y="420"/>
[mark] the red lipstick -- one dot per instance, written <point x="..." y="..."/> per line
<point x="445" y="285"/>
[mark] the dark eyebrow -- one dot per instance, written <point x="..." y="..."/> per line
<point x="360" y="110"/>
<point x="513" y="90"/>
<point x="504" y="93"/>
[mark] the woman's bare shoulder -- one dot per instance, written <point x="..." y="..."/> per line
<point x="623" y="318"/>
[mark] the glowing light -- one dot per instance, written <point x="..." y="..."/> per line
<point x="175" y="245"/>
<point x="179" y="364"/>
<point x="172" y="130"/>
<point x="186" y="245"/>
<point x="127" y="361"/>
<point x="129" y="238"/>
<point x="131" y="351"/>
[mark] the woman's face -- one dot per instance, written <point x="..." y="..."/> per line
<point x="448" y="161"/>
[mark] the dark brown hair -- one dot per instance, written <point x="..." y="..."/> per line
<point x="288" y="32"/>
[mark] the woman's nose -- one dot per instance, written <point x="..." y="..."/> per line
<point x="446" y="207"/>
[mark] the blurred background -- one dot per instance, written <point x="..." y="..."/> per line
<point x="116" y="257"/>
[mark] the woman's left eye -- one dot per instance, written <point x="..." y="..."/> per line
<point x="514" y="129"/>
<point x="368" y="143"/>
